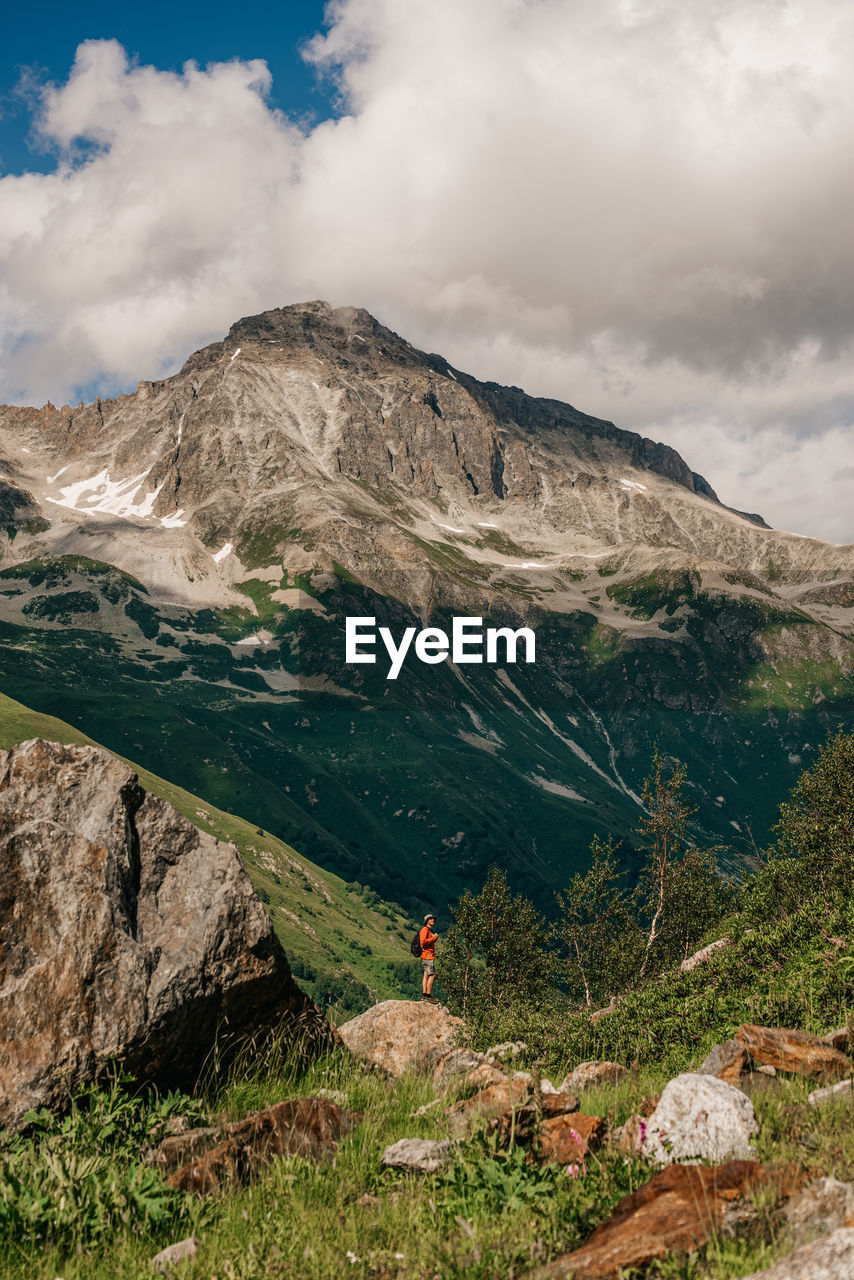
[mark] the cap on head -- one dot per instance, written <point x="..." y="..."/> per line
<point x="429" y="916"/>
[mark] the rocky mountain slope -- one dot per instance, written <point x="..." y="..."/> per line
<point x="177" y="566"/>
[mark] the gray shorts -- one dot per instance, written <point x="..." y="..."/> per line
<point x="429" y="966"/>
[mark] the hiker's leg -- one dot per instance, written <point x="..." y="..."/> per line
<point x="429" y="979"/>
<point x="425" y="990"/>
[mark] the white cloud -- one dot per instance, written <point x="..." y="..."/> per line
<point x="640" y="206"/>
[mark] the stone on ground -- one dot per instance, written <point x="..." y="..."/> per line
<point x="841" y="1092"/>
<point x="177" y="1252"/>
<point x="729" y="1061"/>
<point x="454" y="1064"/>
<point x="678" y="1210"/>
<point x="700" y="1118"/>
<point x="589" y="1075"/>
<point x="507" y="1049"/>
<point x="417" y="1155"/>
<point x="566" y="1139"/>
<point x="492" y="1101"/>
<point x="831" y="1258"/>
<point x="213" y="1158"/>
<point x="401" y="1035"/>
<point x="129" y="935"/>
<point x="791" y="1050"/>
<point x="820" y="1208"/>
<point x="706" y="953"/>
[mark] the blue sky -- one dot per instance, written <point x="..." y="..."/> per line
<point x="39" y="43"/>
<point x="640" y="208"/>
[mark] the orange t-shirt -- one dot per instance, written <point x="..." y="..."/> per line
<point x="428" y="943"/>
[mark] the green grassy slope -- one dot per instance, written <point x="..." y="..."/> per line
<point x="418" y="785"/>
<point x="347" y="946"/>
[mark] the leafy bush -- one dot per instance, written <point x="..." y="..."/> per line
<point x="74" y="1180"/>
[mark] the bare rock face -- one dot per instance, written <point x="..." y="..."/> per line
<point x="792" y="1050"/>
<point x="127" y="934"/>
<point x="401" y="1035"/>
<point x="700" y="1118"/>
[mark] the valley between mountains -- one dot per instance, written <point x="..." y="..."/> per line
<point x="176" y="566"/>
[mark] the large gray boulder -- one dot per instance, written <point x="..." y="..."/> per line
<point x="126" y="934"/>
<point x="699" y="1117"/>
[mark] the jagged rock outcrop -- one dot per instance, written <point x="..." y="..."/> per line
<point x="128" y="935"/>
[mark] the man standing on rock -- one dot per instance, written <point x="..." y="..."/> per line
<point x="427" y="939"/>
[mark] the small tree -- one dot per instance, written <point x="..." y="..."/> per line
<point x="814" y="849"/>
<point x="598" y="929"/>
<point x="496" y="951"/>
<point x="664" y="830"/>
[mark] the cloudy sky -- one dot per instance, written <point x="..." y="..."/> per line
<point x="640" y="206"/>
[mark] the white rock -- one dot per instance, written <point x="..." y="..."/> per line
<point x="832" y="1093"/>
<point x="829" y="1259"/>
<point x="175" y="1253"/>
<point x="507" y="1049"/>
<point x="699" y="1117"/>
<point x="700" y="957"/>
<point x="417" y="1155"/>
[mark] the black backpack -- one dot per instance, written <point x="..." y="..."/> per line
<point x="415" y="944"/>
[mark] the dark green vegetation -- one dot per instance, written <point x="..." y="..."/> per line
<point x="347" y="947"/>
<point x="790" y="929"/>
<point x="417" y="786"/>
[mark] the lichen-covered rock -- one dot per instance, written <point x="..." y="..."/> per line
<point x="417" y="1155"/>
<point x="177" y="1252"/>
<point x="706" y="953"/>
<point x="401" y="1035"/>
<point x="699" y="1118"/>
<point x="127" y="934"/>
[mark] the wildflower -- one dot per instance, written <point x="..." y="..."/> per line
<point x="352" y="1257"/>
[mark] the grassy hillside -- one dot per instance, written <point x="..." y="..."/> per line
<point x="347" y="947"/>
<point x="418" y="785"/>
